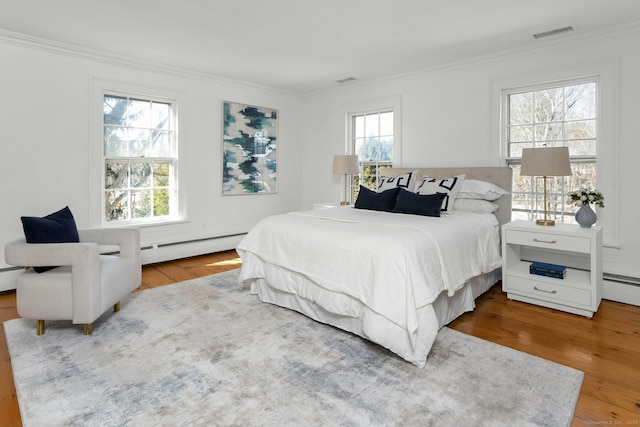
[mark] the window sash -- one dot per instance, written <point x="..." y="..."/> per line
<point x="527" y="193"/>
<point x="139" y="152"/>
<point x="375" y="149"/>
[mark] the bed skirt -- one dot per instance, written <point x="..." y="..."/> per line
<point x="256" y="275"/>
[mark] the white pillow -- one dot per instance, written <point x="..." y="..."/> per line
<point x="449" y="186"/>
<point x="474" y="205"/>
<point x="483" y="190"/>
<point x="406" y="181"/>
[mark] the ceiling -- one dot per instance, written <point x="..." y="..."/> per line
<point x="303" y="46"/>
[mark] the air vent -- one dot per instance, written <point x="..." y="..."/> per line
<point x="554" y="32"/>
<point x="346" y="79"/>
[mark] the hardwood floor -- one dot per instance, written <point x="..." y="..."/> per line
<point x="606" y="348"/>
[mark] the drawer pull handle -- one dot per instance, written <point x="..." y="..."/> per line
<point x="553" y="242"/>
<point x="542" y="290"/>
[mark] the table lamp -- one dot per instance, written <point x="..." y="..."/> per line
<point x="544" y="162"/>
<point x="345" y="164"/>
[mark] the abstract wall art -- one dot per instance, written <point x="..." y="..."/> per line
<point x="250" y="139"/>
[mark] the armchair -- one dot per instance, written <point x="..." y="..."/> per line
<point x="85" y="284"/>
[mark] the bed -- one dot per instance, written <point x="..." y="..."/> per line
<point x="392" y="278"/>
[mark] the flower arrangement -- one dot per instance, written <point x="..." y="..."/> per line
<point x="585" y="196"/>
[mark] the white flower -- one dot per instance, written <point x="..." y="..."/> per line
<point x="585" y="196"/>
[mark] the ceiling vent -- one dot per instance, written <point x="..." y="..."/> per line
<point x="555" y="32"/>
<point x="346" y="80"/>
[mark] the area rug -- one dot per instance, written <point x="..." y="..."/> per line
<point x="204" y="352"/>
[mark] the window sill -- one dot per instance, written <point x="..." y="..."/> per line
<point x="148" y="224"/>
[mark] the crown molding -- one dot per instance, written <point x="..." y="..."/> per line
<point x="540" y="45"/>
<point x="67" y="49"/>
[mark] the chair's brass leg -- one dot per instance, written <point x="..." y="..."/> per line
<point x="39" y="327"/>
<point x="87" y="329"/>
<point x="116" y="307"/>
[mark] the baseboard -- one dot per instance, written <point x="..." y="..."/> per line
<point x="177" y="250"/>
<point x="612" y="290"/>
<point x="8" y="277"/>
<point x="152" y="254"/>
<point x="621" y="292"/>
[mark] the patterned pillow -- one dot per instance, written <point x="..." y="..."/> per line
<point x="406" y="181"/>
<point x="449" y="186"/>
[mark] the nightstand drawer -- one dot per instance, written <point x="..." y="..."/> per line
<point x="550" y="241"/>
<point x="548" y="291"/>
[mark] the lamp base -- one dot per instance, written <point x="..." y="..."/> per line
<point x="546" y="222"/>
<point x="345" y="203"/>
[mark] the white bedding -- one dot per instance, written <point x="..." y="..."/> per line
<point x="381" y="268"/>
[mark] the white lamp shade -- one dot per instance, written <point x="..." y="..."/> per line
<point x="545" y="161"/>
<point x="345" y="164"/>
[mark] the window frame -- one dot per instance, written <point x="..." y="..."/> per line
<point x="607" y="71"/>
<point x="390" y="104"/>
<point x="100" y="89"/>
<point x="378" y="164"/>
<point x="562" y="185"/>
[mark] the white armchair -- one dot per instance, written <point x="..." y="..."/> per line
<point x="84" y="285"/>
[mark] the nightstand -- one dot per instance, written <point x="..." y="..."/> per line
<point x="579" y="249"/>
<point x="325" y="205"/>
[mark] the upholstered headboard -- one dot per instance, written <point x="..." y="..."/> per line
<point x="500" y="176"/>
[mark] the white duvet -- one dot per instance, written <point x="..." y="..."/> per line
<point x="393" y="264"/>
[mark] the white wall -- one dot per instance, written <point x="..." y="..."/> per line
<point x="449" y="117"/>
<point x="44" y="123"/>
<point x="45" y="138"/>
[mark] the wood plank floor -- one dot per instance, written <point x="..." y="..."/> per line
<point x="606" y="348"/>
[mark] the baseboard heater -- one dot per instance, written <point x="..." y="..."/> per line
<point x="625" y="280"/>
<point x="160" y="252"/>
<point x="163" y="245"/>
<point x="153" y="253"/>
<point x="617" y="278"/>
<point x="186" y="248"/>
<point x="184" y="242"/>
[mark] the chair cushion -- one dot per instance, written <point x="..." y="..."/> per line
<point x="58" y="227"/>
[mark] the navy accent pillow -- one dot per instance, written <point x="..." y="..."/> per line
<point x="411" y="203"/>
<point x="383" y="201"/>
<point x="58" y="227"/>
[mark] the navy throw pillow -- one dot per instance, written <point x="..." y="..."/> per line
<point x="383" y="201"/>
<point x="411" y="203"/>
<point x="58" y="227"/>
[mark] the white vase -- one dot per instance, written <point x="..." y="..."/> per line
<point x="585" y="216"/>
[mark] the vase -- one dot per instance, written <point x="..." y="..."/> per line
<point x="585" y="216"/>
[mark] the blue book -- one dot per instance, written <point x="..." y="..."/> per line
<point x="552" y="268"/>
<point x="549" y="274"/>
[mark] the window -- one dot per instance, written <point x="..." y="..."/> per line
<point x="371" y="138"/>
<point x="140" y="159"/>
<point x="561" y="114"/>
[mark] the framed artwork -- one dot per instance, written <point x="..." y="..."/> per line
<point x="249" y="143"/>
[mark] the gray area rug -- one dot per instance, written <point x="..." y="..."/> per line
<point x="204" y="352"/>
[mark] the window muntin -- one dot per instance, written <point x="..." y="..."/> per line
<point x="372" y="141"/>
<point x="140" y="160"/>
<point x="562" y="114"/>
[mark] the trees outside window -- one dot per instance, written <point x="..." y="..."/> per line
<point x="371" y="136"/>
<point x="140" y="159"/>
<point x="553" y="115"/>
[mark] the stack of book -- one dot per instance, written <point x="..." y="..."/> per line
<point x="549" y="270"/>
